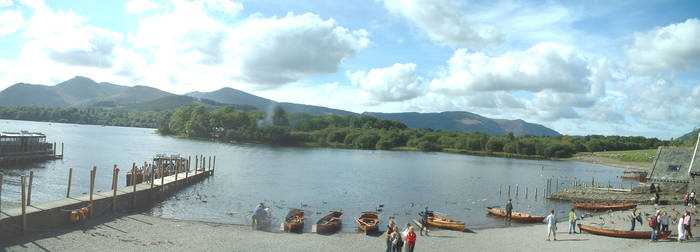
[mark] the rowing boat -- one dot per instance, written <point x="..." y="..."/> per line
<point x="519" y="217"/>
<point x="621" y="233"/>
<point x="443" y="222"/>
<point x="294" y="222"/>
<point x="368" y="222"/>
<point x="606" y="206"/>
<point x="330" y="223"/>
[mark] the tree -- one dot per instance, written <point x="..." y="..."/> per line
<point x="279" y="117"/>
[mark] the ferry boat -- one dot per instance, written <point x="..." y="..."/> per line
<point x="24" y="146"/>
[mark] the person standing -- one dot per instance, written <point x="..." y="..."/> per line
<point x="388" y="236"/>
<point x="664" y="221"/>
<point x="681" y="233"/>
<point x="634" y="217"/>
<point x="654" y="225"/>
<point x="424" y="221"/>
<point x="509" y="209"/>
<point x="410" y="239"/>
<point x="551" y="220"/>
<point x="656" y="198"/>
<point x="692" y="197"/>
<point x="396" y="240"/>
<point x="687" y="234"/>
<point x="572" y="221"/>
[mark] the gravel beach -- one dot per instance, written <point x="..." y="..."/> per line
<point x="143" y="232"/>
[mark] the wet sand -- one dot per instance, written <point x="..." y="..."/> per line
<point x="642" y="166"/>
<point x="144" y="232"/>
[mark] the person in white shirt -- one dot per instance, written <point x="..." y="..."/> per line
<point x="551" y="225"/>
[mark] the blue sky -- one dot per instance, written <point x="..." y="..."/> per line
<point x="589" y="67"/>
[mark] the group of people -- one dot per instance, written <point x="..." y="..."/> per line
<point x="690" y="198"/>
<point x="396" y="241"/>
<point x="660" y="221"/>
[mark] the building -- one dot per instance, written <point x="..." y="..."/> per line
<point x="677" y="167"/>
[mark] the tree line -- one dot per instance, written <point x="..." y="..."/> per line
<point x="365" y="132"/>
<point x="96" y="116"/>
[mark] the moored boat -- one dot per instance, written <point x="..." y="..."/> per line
<point x="621" y="233"/>
<point x="606" y="206"/>
<point x="519" y="217"/>
<point x="368" y="222"/>
<point x="330" y="223"/>
<point x="443" y="222"/>
<point x="294" y="222"/>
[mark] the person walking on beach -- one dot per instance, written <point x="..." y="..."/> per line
<point x="509" y="209"/>
<point x="686" y="226"/>
<point x="410" y="240"/>
<point x="424" y="221"/>
<point x="681" y="233"/>
<point x="664" y="221"/>
<point x="634" y="217"/>
<point x="654" y="225"/>
<point x="551" y="225"/>
<point x="396" y="240"/>
<point x="572" y="221"/>
<point x="692" y="197"/>
<point x="388" y="236"/>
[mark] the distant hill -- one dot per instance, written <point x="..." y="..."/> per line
<point x="465" y="122"/>
<point x="173" y="102"/>
<point x="690" y="136"/>
<point x="78" y="92"/>
<point x="234" y="96"/>
<point x="521" y="128"/>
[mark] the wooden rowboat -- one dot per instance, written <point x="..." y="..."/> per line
<point x="519" y="217"/>
<point x="330" y="223"/>
<point x="368" y="222"/>
<point x="444" y="222"/>
<point x="294" y="222"/>
<point x="607" y="206"/>
<point x="621" y="233"/>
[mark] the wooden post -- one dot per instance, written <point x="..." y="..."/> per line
<point x="29" y="192"/>
<point x="196" y="164"/>
<point x="114" y="184"/>
<point x="92" y="188"/>
<point x="499" y="189"/>
<point x="214" y="165"/>
<point x="210" y="163"/>
<point x="517" y="189"/>
<point x="187" y="172"/>
<point x="70" y="181"/>
<point x="557" y="185"/>
<point x="508" y="190"/>
<point x="535" y="193"/>
<point x="54" y="149"/>
<point x="162" y="178"/>
<point x="592" y="180"/>
<point x="526" y="192"/>
<point x="201" y="158"/>
<point x="133" y="179"/>
<point x="24" y="206"/>
<point x="177" y="169"/>
<point x="61" y="150"/>
<point x="1" y="175"/>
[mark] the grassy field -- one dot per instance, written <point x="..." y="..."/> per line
<point x="646" y="156"/>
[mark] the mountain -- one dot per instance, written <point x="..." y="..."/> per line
<point x="691" y="136"/>
<point x="465" y="122"/>
<point x="79" y="92"/>
<point x="233" y="96"/>
<point x="520" y="128"/>
<point x="173" y="102"/>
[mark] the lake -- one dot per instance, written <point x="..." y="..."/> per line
<point x="315" y="179"/>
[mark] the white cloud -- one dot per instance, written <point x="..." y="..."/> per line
<point x="444" y="22"/>
<point x="140" y="6"/>
<point x="674" y="47"/>
<point x="10" y="22"/>
<point x="226" y="6"/>
<point x="545" y="66"/>
<point x="5" y="3"/>
<point x="395" y="83"/>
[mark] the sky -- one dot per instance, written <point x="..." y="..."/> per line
<point x="579" y="67"/>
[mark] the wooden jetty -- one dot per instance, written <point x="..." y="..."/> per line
<point x="138" y="196"/>
<point x="24" y="146"/>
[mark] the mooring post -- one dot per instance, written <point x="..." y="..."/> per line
<point x="535" y="193"/>
<point x="557" y="185"/>
<point x="1" y="175"/>
<point x="517" y="190"/>
<point x="54" y="150"/>
<point x="196" y="164"/>
<point x="593" y="181"/>
<point x="92" y="187"/>
<point x="70" y="181"/>
<point x="499" y="189"/>
<point x="526" y="191"/>
<point x="29" y="192"/>
<point x="115" y="182"/>
<point x="177" y="170"/>
<point x="133" y="179"/>
<point x="210" y="163"/>
<point x="24" y="205"/>
<point x="162" y="179"/>
<point x="213" y="167"/>
<point x="508" y="190"/>
<point x="61" y="150"/>
<point x="187" y="172"/>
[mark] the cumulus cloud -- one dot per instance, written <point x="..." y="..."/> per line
<point x="444" y="22"/>
<point x="5" y="3"/>
<point x="140" y="6"/>
<point x="226" y="6"/>
<point x="10" y="21"/>
<point x="390" y="84"/>
<point x="275" y="51"/>
<point x="673" y="47"/>
<point x="545" y="66"/>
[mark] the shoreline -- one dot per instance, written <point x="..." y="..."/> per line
<point x="138" y="231"/>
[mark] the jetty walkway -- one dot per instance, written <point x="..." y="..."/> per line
<point x="134" y="197"/>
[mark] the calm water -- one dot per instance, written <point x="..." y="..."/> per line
<point x="315" y="179"/>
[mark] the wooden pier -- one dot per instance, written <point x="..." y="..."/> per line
<point x="136" y="197"/>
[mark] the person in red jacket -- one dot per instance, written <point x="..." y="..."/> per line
<point x="411" y="239"/>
